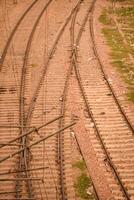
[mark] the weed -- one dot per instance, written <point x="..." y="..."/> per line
<point x="131" y="96"/>
<point x="104" y="18"/>
<point x="115" y="41"/>
<point x="80" y="165"/>
<point x="81" y="185"/>
<point x="119" y="52"/>
<point x="125" y="12"/>
<point x="119" y="64"/>
<point x="33" y="65"/>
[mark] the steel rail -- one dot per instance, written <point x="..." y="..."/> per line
<point x="27" y="51"/>
<point x="61" y="123"/>
<point x="76" y="67"/>
<point x="52" y="50"/>
<point x="33" y="101"/>
<point x="73" y="49"/>
<point x="13" y="33"/>
<point x="24" y="155"/>
<point x="129" y="124"/>
<point x="98" y="133"/>
<point x="80" y="151"/>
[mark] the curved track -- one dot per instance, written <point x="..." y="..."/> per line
<point x="58" y="99"/>
<point x="24" y="157"/>
<point x="22" y="188"/>
<point x="24" y="154"/>
<point x="90" y="96"/>
<point x="106" y="78"/>
<point x="13" y="33"/>
<point x="48" y="164"/>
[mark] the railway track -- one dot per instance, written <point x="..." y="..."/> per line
<point x="24" y="180"/>
<point x="111" y="125"/>
<point x="63" y="139"/>
<point x="25" y="157"/>
<point x="22" y="165"/>
<point x="75" y="39"/>
<point x="44" y="172"/>
<point x="129" y="123"/>
<point x="55" y="89"/>
<point x="4" y="53"/>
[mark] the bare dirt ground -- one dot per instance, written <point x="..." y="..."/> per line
<point x="49" y="101"/>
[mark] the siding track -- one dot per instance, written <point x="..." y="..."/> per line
<point x="23" y="188"/>
<point x="27" y="160"/>
<point x="13" y="33"/>
<point x="105" y="116"/>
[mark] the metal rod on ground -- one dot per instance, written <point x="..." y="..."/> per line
<point x="20" y="199"/>
<point x="8" y="126"/>
<point x="14" y="172"/>
<point x="10" y="192"/>
<point x="21" y="179"/>
<point x="35" y="129"/>
<point x="37" y="142"/>
<point x="10" y="144"/>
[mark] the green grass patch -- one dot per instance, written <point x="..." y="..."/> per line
<point x="131" y="96"/>
<point x="115" y="41"/>
<point x="104" y="18"/>
<point x="81" y="185"/>
<point x="126" y="15"/>
<point x="125" y="12"/>
<point x="80" y="164"/>
<point x="33" y="65"/>
<point x="119" y="64"/>
<point x="119" y="52"/>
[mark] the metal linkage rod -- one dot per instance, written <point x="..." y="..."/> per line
<point x="25" y="134"/>
<point x="37" y="142"/>
<point x="10" y="144"/>
<point x="20" y="179"/>
<point x="13" y="126"/>
<point x="9" y="192"/>
<point x="19" y="198"/>
<point x="14" y="172"/>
